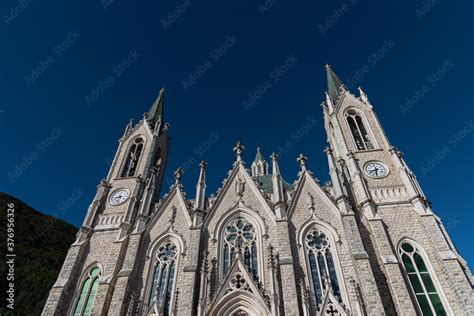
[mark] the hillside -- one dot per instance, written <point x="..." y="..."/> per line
<point x="41" y="244"/>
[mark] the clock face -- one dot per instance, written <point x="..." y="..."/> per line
<point x="119" y="196"/>
<point x="376" y="169"/>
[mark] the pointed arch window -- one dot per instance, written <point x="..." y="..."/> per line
<point x="164" y="274"/>
<point x="240" y="236"/>
<point x="421" y="281"/>
<point x="359" y="132"/>
<point x="133" y="157"/>
<point x="321" y="265"/>
<point x="85" y="301"/>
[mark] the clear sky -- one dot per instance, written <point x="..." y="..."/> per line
<point x="73" y="73"/>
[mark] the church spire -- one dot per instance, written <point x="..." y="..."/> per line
<point x="334" y="83"/>
<point x="278" y="197"/>
<point x="201" y="187"/>
<point x="259" y="165"/>
<point x="259" y="156"/>
<point x="156" y="111"/>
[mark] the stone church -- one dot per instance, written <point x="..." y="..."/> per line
<point x="366" y="243"/>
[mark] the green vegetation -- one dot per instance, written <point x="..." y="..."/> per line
<point x="41" y="244"/>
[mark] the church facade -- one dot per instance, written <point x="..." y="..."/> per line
<point x="367" y="243"/>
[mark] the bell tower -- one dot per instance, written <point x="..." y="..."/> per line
<point x="371" y="177"/>
<point x="374" y="172"/>
<point x="135" y="177"/>
<point x="115" y="218"/>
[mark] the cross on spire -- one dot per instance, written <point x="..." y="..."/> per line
<point x="302" y="160"/>
<point x="178" y="174"/>
<point x="239" y="149"/>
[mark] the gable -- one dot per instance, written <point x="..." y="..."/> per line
<point x="239" y="189"/>
<point x="171" y="213"/>
<point x="310" y="201"/>
<point x="239" y="290"/>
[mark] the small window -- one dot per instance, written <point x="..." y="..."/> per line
<point x="133" y="157"/>
<point x="421" y="282"/>
<point x="359" y="133"/>
<point x="85" y="302"/>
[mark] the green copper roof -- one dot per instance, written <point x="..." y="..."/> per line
<point x="334" y="83"/>
<point x="259" y="156"/>
<point x="267" y="186"/>
<point x="156" y="109"/>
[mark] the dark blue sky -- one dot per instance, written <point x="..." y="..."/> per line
<point x="73" y="73"/>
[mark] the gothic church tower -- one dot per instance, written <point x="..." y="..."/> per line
<point x="398" y="227"/>
<point x="367" y="243"/>
<point x="120" y="208"/>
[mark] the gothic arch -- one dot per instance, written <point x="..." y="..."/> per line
<point x="239" y="301"/>
<point x="333" y="239"/>
<point x="162" y="238"/>
<point x="431" y="272"/>
<point x="360" y="130"/>
<point x="130" y="144"/>
<point x="79" y="285"/>
<point x="168" y="237"/>
<point x="260" y="229"/>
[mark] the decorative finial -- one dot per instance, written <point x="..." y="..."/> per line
<point x="328" y="66"/>
<point x="363" y="96"/>
<point x="274" y="156"/>
<point x="302" y="160"/>
<point x="239" y="149"/>
<point x="178" y="174"/>
<point x="203" y="164"/>
<point x="329" y="103"/>
<point x="162" y="91"/>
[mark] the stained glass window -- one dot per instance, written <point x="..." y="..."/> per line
<point x="239" y="235"/>
<point x="359" y="132"/>
<point x="321" y="265"/>
<point x="85" y="302"/>
<point x="427" y="296"/>
<point x="133" y="157"/>
<point x="163" y="276"/>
